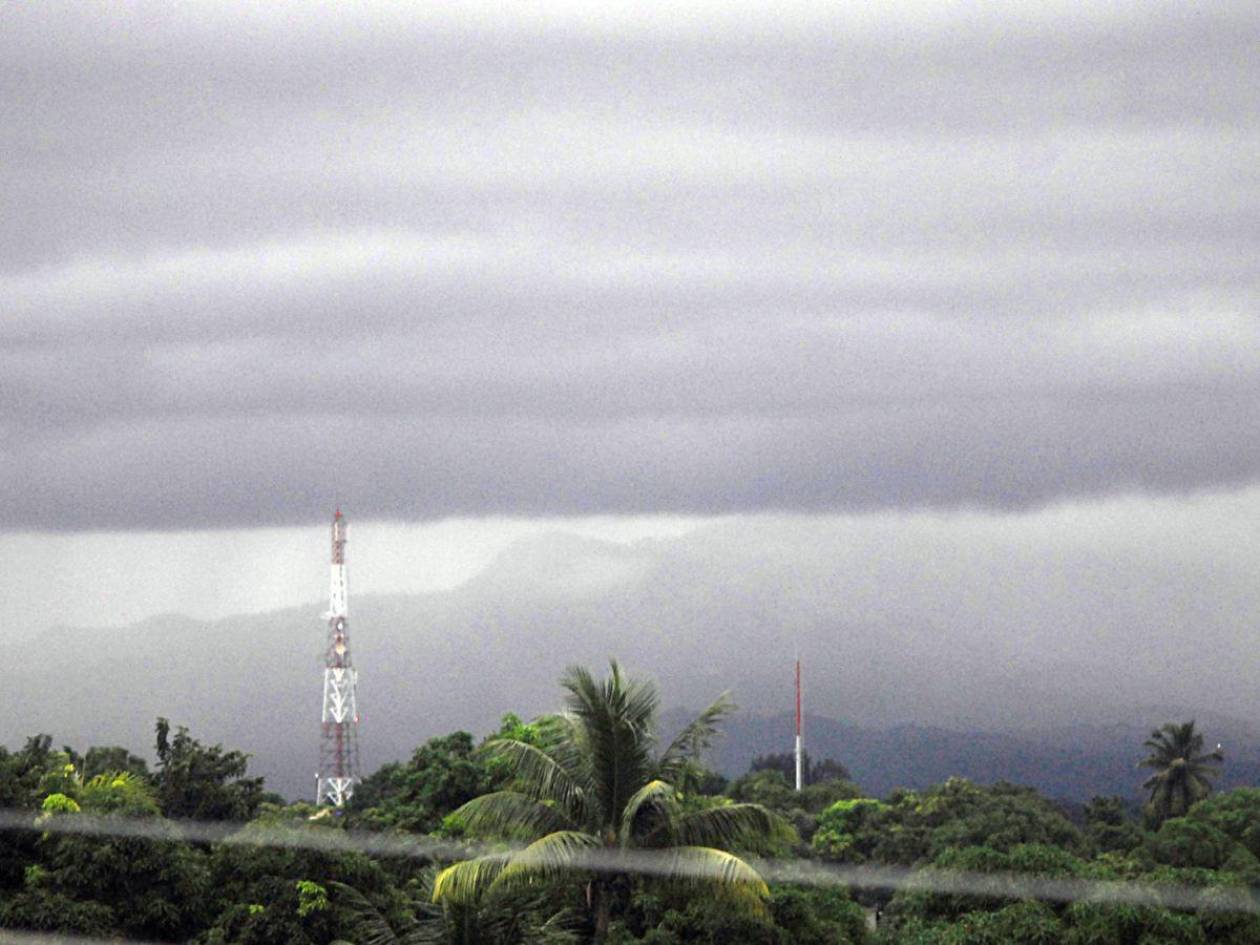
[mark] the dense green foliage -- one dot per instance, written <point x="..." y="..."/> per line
<point x="812" y="772"/>
<point x="442" y="774"/>
<point x="594" y="779"/>
<point x="592" y="782"/>
<point x="202" y="783"/>
<point x="913" y="827"/>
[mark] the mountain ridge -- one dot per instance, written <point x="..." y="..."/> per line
<point x="911" y="755"/>
<point x="697" y="615"/>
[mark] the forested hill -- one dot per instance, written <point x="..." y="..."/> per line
<point x="699" y="615"/>
<point x="1073" y="764"/>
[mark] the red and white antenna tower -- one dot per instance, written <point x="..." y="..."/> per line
<point x="339" y="746"/>
<point x="800" y="757"/>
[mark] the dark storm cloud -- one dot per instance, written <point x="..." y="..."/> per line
<point x="253" y="263"/>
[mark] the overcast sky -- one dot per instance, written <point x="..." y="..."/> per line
<point x="537" y="260"/>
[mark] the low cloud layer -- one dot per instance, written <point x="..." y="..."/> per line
<point x="558" y="262"/>
<point x="1126" y="612"/>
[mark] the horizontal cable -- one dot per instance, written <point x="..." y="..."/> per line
<point x="648" y="862"/>
<point x="14" y="937"/>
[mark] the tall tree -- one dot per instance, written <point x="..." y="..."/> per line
<point x="1183" y="771"/>
<point x="22" y="771"/>
<point x="596" y="787"/>
<point x="202" y="783"/>
<point x="443" y="773"/>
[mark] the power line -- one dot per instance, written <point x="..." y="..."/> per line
<point x="14" y="937"/>
<point x="650" y="862"/>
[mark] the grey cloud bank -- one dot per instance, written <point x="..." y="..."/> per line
<point x="558" y="262"/>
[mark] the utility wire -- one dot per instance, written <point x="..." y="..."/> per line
<point x="15" y="937"/>
<point x="649" y="862"/>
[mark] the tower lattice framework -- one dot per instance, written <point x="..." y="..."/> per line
<point x="339" y="746"/>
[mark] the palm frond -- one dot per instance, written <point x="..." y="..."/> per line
<point x="541" y="776"/>
<point x="563" y="738"/>
<point x="722" y="875"/>
<point x="1173" y="741"/>
<point x="365" y="921"/>
<point x="511" y="815"/>
<point x="546" y="858"/>
<point x="464" y="882"/>
<point x="658" y="794"/>
<point x="617" y="717"/>
<point x="568" y="741"/>
<point x="585" y="694"/>
<point x="695" y="738"/>
<point x="733" y="825"/>
<point x="370" y="927"/>
<point x="640" y="701"/>
<point x="559" y="928"/>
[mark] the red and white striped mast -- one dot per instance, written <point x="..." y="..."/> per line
<point x="800" y="756"/>
<point x="339" y="746"/>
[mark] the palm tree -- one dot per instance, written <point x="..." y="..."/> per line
<point x="593" y="789"/>
<point x="1183" y="773"/>
<point x="487" y="922"/>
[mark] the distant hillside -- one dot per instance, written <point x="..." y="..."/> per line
<point x="700" y="614"/>
<point x="1073" y="764"/>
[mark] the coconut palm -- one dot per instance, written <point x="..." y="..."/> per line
<point x="1183" y="772"/>
<point x="593" y="789"/>
<point x="491" y="921"/>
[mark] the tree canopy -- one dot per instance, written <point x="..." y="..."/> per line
<point x="596" y="782"/>
<point x="570" y="799"/>
<point x="203" y="783"/>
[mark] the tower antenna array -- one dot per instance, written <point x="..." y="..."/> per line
<point x="339" y="744"/>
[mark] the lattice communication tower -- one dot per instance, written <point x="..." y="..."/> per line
<point x="339" y="745"/>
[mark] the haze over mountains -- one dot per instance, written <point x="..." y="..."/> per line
<point x="1072" y="763"/>
<point x="1041" y="636"/>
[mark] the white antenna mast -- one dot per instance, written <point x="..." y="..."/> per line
<point x="800" y="755"/>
